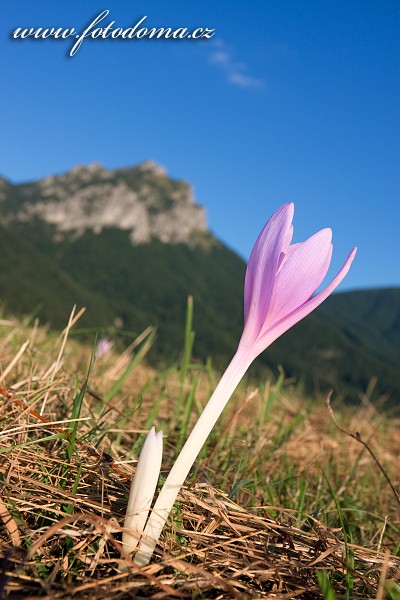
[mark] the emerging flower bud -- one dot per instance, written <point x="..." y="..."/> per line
<point x="142" y="490"/>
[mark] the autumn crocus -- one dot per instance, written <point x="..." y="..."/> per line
<point x="142" y="490"/>
<point x="103" y="348"/>
<point x="280" y="282"/>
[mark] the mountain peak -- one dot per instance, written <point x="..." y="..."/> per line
<point x="150" y="166"/>
<point x="90" y="169"/>
<point x="142" y="199"/>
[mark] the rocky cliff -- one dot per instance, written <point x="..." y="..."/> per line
<point x="141" y="199"/>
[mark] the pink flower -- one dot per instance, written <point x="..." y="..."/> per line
<point x="278" y="292"/>
<point x="104" y="347"/>
<point x="282" y="278"/>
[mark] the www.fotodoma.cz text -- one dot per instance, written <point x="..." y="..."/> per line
<point x="92" y="31"/>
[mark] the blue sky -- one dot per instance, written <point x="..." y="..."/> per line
<point x="289" y="101"/>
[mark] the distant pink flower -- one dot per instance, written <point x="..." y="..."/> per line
<point x="103" y="347"/>
<point x="278" y="292"/>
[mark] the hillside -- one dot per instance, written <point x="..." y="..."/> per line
<point x="131" y="244"/>
<point x="278" y="496"/>
<point x="31" y="282"/>
<point x="352" y="338"/>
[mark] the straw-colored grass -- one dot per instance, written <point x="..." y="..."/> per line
<point x="280" y="504"/>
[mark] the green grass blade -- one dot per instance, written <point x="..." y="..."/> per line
<point x="186" y="415"/>
<point x="77" y="407"/>
<point x="393" y="590"/>
<point x="136" y="359"/>
<point x="272" y="396"/>
<point x="186" y="357"/>
<point x="47" y="438"/>
<point x="327" y="590"/>
<point x="349" y="554"/>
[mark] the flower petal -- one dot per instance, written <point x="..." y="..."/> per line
<point x="302" y="271"/>
<point x="262" y="268"/>
<point x="302" y="311"/>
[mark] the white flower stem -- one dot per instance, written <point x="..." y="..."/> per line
<point x="142" y="490"/>
<point x="224" y="390"/>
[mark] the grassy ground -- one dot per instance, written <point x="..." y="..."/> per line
<point x="281" y="503"/>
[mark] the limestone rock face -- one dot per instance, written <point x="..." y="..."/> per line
<point x="141" y="199"/>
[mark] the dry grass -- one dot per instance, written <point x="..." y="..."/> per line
<point x="320" y="520"/>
